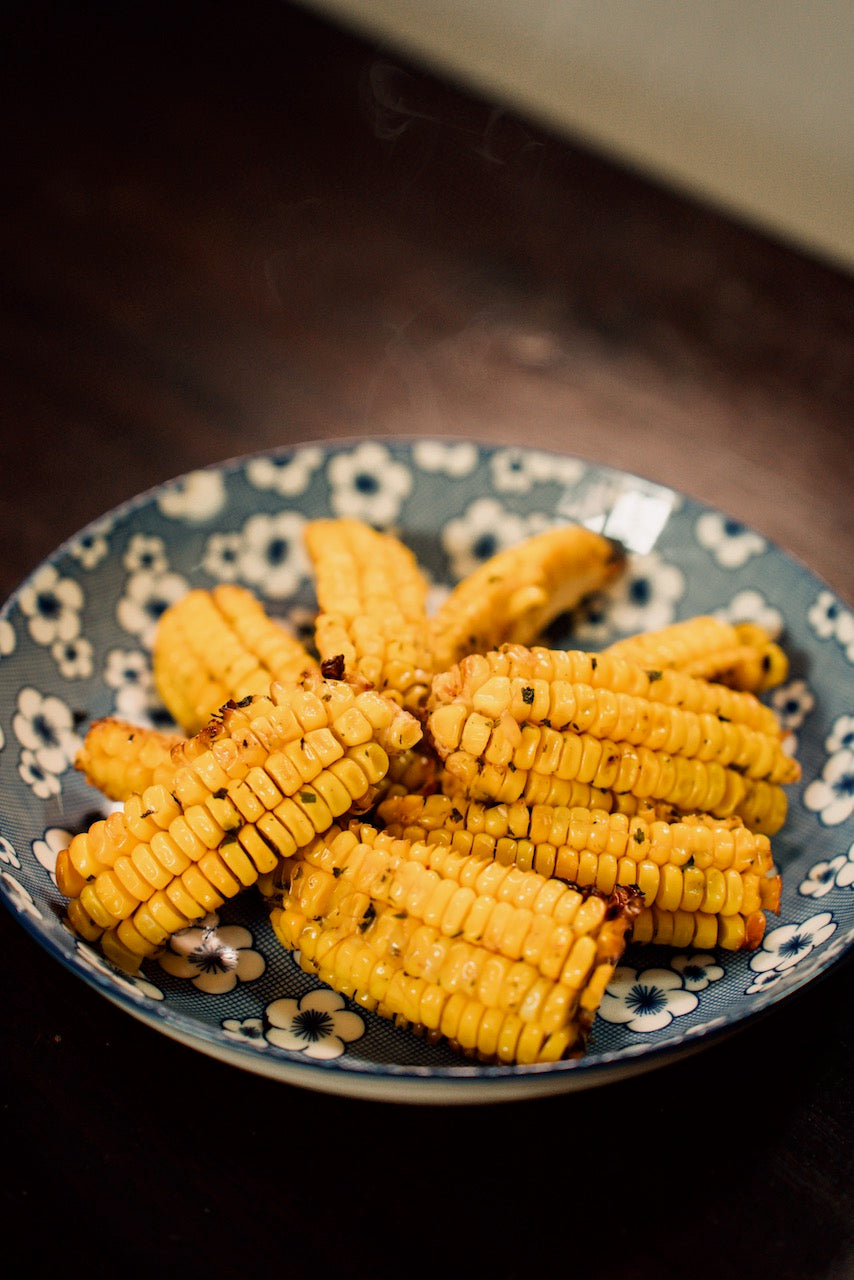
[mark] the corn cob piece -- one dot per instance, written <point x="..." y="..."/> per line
<point x="713" y="878"/>
<point x="120" y="758"/>
<point x="253" y="786"/>
<point x="523" y="723"/>
<point x="372" y="598"/>
<point x="741" y="655"/>
<point x="513" y="596"/>
<point x="506" y="965"/>
<point x="214" y="645"/>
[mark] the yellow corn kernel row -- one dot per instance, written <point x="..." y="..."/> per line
<point x="741" y="655"/>
<point x="504" y="708"/>
<point x="120" y="758"/>
<point x="696" y="865"/>
<point x="212" y="646"/>
<point x="516" y="593"/>
<point x="603" y="671"/>
<point x="692" y="786"/>
<point x="248" y="789"/>
<point x="504" y="964"/>
<point x="372" y="600"/>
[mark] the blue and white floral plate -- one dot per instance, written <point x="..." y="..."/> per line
<point x="74" y="643"/>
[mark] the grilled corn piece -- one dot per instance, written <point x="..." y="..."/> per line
<point x="253" y="786"/>
<point x="372" y="601"/>
<point x="714" y="878"/>
<point x="523" y="723"/>
<point x="120" y="758"/>
<point x="742" y="655"/>
<point x="504" y="964"/>
<point x="212" y="646"/>
<point x="513" y="596"/>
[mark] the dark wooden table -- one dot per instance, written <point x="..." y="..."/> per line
<point x="227" y="227"/>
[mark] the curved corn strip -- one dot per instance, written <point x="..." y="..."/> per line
<point x="504" y="964"/>
<point x="741" y="655"/>
<point x="247" y="790"/>
<point x="214" y="645"/>
<point x="515" y="594"/>
<point x="120" y="758"/>
<point x="695" y="865"/>
<point x="372" y="597"/>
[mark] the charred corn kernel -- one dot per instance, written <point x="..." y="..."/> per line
<point x="512" y="936"/>
<point x="372" y="598"/>
<point x="214" y="646"/>
<point x="120" y="758"/>
<point x="742" y="655"/>
<point x="516" y="593"/>
<point x="118" y="869"/>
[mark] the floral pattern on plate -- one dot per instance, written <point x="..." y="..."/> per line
<point x="74" y="645"/>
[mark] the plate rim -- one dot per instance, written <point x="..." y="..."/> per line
<point x="367" y="1079"/>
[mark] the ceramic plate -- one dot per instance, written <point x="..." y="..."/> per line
<point x="75" y="640"/>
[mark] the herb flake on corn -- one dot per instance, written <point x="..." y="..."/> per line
<point x="742" y="655"/>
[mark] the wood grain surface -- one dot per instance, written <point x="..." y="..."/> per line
<point x="228" y="227"/>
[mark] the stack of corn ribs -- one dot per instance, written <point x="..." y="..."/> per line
<point x="451" y="824"/>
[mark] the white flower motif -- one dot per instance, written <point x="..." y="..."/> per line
<point x="73" y="658"/>
<point x="368" y="484"/>
<point x="838" y="872"/>
<point x="145" y="553"/>
<point x="41" y="781"/>
<point x="751" y="606"/>
<point x="214" y="957"/>
<point x="841" y="736"/>
<point x="44" y="726"/>
<point x="91" y="547"/>
<point x="8" y="639"/>
<point x="792" y="703"/>
<point x="20" y="898"/>
<point x="197" y="497"/>
<point x="485" y="529"/>
<point x="452" y="458"/>
<point x="221" y="557"/>
<point x="731" y="542"/>
<point x="8" y="855"/>
<point x="830" y="619"/>
<point x="48" y="848"/>
<point x="128" y="671"/>
<point x="643" y="600"/>
<point x="647" y="1000"/>
<point x="518" y="470"/>
<point x="52" y="606"/>
<point x="146" y="596"/>
<point x="318" y="1025"/>
<point x="697" y="970"/>
<point x="832" y="795"/>
<point x="789" y="945"/>
<point x="250" y="1029"/>
<point x="287" y="475"/>
<point x="272" y="554"/>
<point x="136" y="983"/>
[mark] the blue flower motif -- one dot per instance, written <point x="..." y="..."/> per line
<point x="731" y="542"/>
<point x="319" y="1025"/>
<point x="646" y="1000"/>
<point x="832" y="795"/>
<point x="787" y="946"/>
<point x="197" y="497"/>
<point x="288" y="475"/>
<point x="836" y="873"/>
<point x="368" y="484"/>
